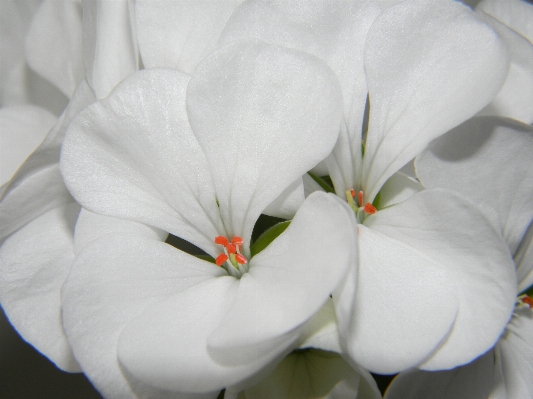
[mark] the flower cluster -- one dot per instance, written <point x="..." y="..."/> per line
<point x="271" y="199"/>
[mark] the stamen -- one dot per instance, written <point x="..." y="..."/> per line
<point x="221" y="259"/>
<point x="370" y="209"/>
<point x="240" y="259"/>
<point x="352" y="192"/>
<point x="526" y="300"/>
<point x="237" y="240"/>
<point x="220" y="240"/>
<point x="231" y="248"/>
<point x="360" y="198"/>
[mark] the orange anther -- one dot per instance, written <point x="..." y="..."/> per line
<point x="237" y="240"/>
<point x="220" y="240"/>
<point x="240" y="259"/>
<point x="231" y="249"/>
<point x="221" y="259"/>
<point x="352" y="192"/>
<point x="360" y="198"/>
<point x="528" y="301"/>
<point x="370" y="209"/>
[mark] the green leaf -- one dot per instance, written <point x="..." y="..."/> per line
<point x="268" y="236"/>
<point x="327" y="188"/>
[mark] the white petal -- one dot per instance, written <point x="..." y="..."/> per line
<point x="516" y="14"/>
<point x="321" y="331"/>
<point x="34" y="263"/>
<point x="25" y="86"/>
<point x="54" y="44"/>
<point x="473" y="381"/>
<point x="398" y="188"/>
<point x="516" y="351"/>
<point x="286" y="205"/>
<point x="487" y="160"/>
<point x="431" y="267"/>
<point x="109" y="47"/>
<point x="288" y="282"/>
<point x="92" y="226"/>
<point x="523" y="258"/>
<point x="112" y="281"/>
<point x="309" y="374"/>
<point x="264" y="115"/>
<point x="179" y="34"/>
<point x="133" y="155"/>
<point x="15" y="19"/>
<point x="38" y="186"/>
<point x="516" y="96"/>
<point x="430" y="66"/>
<point x="333" y="31"/>
<point x="22" y="129"/>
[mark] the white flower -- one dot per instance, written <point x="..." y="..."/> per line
<point x="201" y="160"/>
<point x="428" y="66"/>
<point x="473" y="159"/>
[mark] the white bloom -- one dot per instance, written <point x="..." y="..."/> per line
<point x="425" y="64"/>
<point x="474" y="160"/>
<point x="201" y="160"/>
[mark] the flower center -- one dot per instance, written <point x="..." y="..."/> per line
<point x="360" y="211"/>
<point x="232" y="259"/>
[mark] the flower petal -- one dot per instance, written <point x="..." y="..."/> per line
<point x="431" y="268"/>
<point x="473" y="160"/>
<point x="321" y="331"/>
<point x="516" y="14"/>
<point x="424" y="77"/>
<point x="516" y="353"/>
<point x="180" y="34"/>
<point x="309" y="374"/>
<point x="398" y="188"/>
<point x="129" y="156"/>
<point x="34" y="263"/>
<point x="473" y="381"/>
<point x="286" y="205"/>
<point x="54" y="44"/>
<point x="23" y="127"/>
<point x="38" y="186"/>
<point x="264" y="115"/>
<point x="523" y="258"/>
<point x="109" y="47"/>
<point x="112" y="281"/>
<point x="288" y="282"/>
<point x="334" y="32"/>
<point x="516" y="95"/>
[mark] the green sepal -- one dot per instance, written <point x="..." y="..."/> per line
<point x="529" y="292"/>
<point x="321" y="182"/>
<point x="268" y="236"/>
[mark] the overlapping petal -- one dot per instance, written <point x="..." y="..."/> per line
<point x="515" y="97"/>
<point x="429" y="271"/>
<point x="473" y="160"/>
<point x="34" y="263"/>
<point x="264" y="115"/>
<point x="424" y="79"/>
<point x="129" y="156"/>
<point x="180" y="34"/>
<point x="113" y="279"/>
<point x="23" y="128"/>
<point x="54" y="44"/>
<point x="110" y="51"/>
<point x="336" y="33"/>
<point x="245" y="324"/>
<point x="38" y="186"/>
<point x="516" y="14"/>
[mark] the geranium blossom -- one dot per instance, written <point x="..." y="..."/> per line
<point x="260" y="116"/>
<point x="473" y="160"/>
<point x="418" y="289"/>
